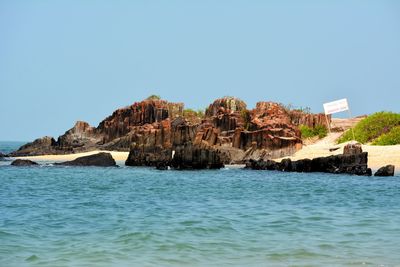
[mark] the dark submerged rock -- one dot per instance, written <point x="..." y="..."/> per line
<point x="101" y="160"/>
<point x="23" y="162"/>
<point x="387" y="170"/>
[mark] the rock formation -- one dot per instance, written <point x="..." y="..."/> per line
<point x="347" y="163"/>
<point x="153" y="129"/>
<point x="42" y="146"/>
<point x="387" y="170"/>
<point x="23" y="162"/>
<point x="101" y="160"/>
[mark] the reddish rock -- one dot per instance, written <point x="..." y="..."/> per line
<point x="123" y="120"/>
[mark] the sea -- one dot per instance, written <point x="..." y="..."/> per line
<point x="137" y="216"/>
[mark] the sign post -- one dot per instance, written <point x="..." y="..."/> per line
<point x="335" y="107"/>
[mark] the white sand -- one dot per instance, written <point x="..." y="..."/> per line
<point x="117" y="155"/>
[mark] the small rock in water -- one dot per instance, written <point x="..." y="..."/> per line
<point x="23" y="162"/>
<point x="387" y="170"/>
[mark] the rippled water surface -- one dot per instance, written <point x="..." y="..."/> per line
<point x="70" y="216"/>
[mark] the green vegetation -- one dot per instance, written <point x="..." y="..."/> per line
<point x="246" y="118"/>
<point x="390" y="138"/>
<point x="154" y="97"/>
<point x="191" y="113"/>
<point x="307" y="132"/>
<point x="290" y="107"/>
<point x="372" y="127"/>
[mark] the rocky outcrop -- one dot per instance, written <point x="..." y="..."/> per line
<point x="153" y="129"/>
<point x="23" y="163"/>
<point x="346" y="164"/>
<point x="178" y="144"/>
<point x="101" y="160"/>
<point x="387" y="170"/>
<point x="41" y="146"/>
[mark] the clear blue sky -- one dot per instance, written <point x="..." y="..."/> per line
<point x="62" y="61"/>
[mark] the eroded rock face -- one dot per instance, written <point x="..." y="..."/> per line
<point x="101" y="160"/>
<point x="123" y="120"/>
<point x="387" y="170"/>
<point x="23" y="163"/>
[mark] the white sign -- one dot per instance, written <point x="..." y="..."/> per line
<point x="336" y="106"/>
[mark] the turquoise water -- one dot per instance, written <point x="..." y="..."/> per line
<point x="72" y="216"/>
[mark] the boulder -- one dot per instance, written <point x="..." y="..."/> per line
<point x="23" y="162"/>
<point x="101" y="159"/>
<point x="387" y="170"/>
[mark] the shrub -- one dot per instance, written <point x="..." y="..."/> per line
<point x="190" y="113"/>
<point x="372" y="127"/>
<point x="246" y="116"/>
<point x="154" y="97"/>
<point x="390" y="138"/>
<point x="308" y="132"/>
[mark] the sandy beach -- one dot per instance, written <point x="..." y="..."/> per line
<point x="117" y="155"/>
